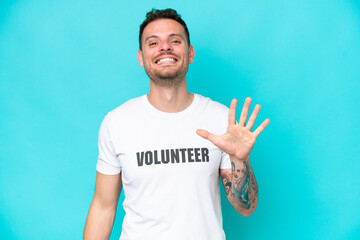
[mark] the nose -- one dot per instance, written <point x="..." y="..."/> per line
<point x="165" y="46"/>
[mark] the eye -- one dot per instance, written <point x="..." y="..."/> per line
<point x="151" y="44"/>
<point x="176" y="41"/>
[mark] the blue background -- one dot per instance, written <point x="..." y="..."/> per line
<point x="65" y="64"/>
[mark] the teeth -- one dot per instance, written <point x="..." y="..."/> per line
<point x="166" y="60"/>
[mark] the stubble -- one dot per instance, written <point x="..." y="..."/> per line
<point x="168" y="78"/>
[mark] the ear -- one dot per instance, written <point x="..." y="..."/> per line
<point x="140" y="58"/>
<point x="191" y="54"/>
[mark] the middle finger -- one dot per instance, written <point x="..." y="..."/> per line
<point x="245" y="111"/>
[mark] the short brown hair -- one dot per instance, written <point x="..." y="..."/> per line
<point x="155" y="14"/>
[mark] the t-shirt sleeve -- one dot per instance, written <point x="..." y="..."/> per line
<point x="225" y="161"/>
<point x="108" y="162"/>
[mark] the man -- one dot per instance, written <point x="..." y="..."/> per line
<point x="154" y="147"/>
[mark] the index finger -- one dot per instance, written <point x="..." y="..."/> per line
<point x="232" y="112"/>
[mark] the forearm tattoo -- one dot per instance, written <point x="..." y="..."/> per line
<point x="241" y="184"/>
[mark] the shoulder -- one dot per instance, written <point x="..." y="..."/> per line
<point x="130" y="105"/>
<point x="126" y="111"/>
<point x="214" y="115"/>
<point x="213" y="105"/>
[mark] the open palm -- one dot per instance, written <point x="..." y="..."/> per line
<point x="238" y="140"/>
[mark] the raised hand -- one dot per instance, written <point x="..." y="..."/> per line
<point x="238" y="140"/>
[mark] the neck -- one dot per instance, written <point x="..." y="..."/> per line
<point x="170" y="99"/>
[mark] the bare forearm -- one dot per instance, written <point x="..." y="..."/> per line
<point x="99" y="222"/>
<point x="242" y="190"/>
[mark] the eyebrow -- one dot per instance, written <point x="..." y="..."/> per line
<point x="171" y="35"/>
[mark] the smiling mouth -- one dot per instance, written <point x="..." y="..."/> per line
<point x="166" y="61"/>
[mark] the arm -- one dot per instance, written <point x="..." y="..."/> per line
<point x="241" y="187"/>
<point x="238" y="141"/>
<point x="102" y="211"/>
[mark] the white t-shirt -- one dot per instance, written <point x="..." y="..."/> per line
<point x="170" y="174"/>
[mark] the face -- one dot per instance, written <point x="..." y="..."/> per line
<point x="165" y="53"/>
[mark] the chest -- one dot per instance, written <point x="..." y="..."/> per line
<point x="158" y="151"/>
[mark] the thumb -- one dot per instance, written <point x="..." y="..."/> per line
<point x="205" y="134"/>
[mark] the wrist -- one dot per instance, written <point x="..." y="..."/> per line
<point x="235" y="159"/>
